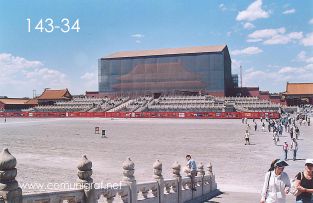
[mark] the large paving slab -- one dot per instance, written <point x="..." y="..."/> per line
<point x="48" y="150"/>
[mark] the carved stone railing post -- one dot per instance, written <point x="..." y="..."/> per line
<point x="129" y="179"/>
<point x="176" y="174"/>
<point x="212" y="177"/>
<point x="85" y="181"/>
<point x="157" y="175"/>
<point x="10" y="192"/>
<point x="201" y="173"/>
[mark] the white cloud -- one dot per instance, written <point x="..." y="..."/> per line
<point x="137" y="37"/>
<point x="90" y="80"/>
<point x="253" y="12"/>
<point x="248" y="26"/>
<point x="304" y="58"/>
<point x="274" y="36"/>
<point x="266" y="33"/>
<point x="278" y="39"/>
<point x="89" y="76"/>
<point x="254" y="40"/>
<point x="289" y="11"/>
<point x="311" y="21"/>
<point x="235" y="65"/>
<point x="282" y="75"/>
<point x="19" y="76"/>
<point x="308" y="40"/>
<point x="247" y="51"/>
<point x="222" y="7"/>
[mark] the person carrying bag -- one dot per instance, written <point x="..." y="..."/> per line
<point x="276" y="184"/>
<point x="303" y="184"/>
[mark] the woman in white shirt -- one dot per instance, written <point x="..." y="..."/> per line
<point x="276" y="184"/>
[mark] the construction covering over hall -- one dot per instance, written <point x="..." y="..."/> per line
<point x="204" y="69"/>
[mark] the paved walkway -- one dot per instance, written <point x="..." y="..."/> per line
<point x="48" y="150"/>
<point x="240" y="197"/>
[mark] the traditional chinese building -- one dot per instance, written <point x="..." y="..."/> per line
<point x="299" y="93"/>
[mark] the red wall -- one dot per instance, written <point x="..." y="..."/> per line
<point x="189" y="115"/>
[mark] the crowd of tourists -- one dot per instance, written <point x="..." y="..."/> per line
<point x="277" y="183"/>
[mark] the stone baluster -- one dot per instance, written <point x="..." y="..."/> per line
<point x="201" y="173"/>
<point x="110" y="196"/>
<point x="157" y="175"/>
<point x="129" y="179"/>
<point x="10" y="192"/>
<point x="154" y="190"/>
<point x="85" y="181"/>
<point x="168" y="188"/>
<point x="144" y="191"/>
<point x="210" y="173"/>
<point x="124" y="196"/>
<point x="176" y="174"/>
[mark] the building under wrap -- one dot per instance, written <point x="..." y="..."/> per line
<point x="189" y="70"/>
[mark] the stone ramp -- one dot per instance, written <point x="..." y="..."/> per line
<point x="241" y="197"/>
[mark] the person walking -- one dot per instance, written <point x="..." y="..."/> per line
<point x="294" y="148"/>
<point x="286" y="125"/>
<point x="291" y="132"/>
<point x="191" y="164"/>
<point x="280" y="129"/>
<point x="275" y="137"/>
<point x="297" y="132"/>
<point x="276" y="184"/>
<point x="263" y="127"/>
<point x="304" y="183"/>
<point x="247" y="137"/>
<point x="255" y="126"/>
<point x="285" y="148"/>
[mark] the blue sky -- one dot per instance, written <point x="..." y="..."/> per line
<point x="272" y="40"/>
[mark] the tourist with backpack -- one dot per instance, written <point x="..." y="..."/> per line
<point x="276" y="184"/>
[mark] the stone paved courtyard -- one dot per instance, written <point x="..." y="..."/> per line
<point x="48" y="150"/>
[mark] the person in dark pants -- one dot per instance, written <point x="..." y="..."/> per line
<point x="294" y="148"/>
<point x="191" y="164"/>
<point x="285" y="148"/>
<point x="291" y="132"/>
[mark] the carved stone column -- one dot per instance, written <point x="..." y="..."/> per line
<point x="176" y="174"/>
<point x="157" y="175"/>
<point x="212" y="177"/>
<point x="85" y="181"/>
<point x="129" y="179"/>
<point x="201" y="173"/>
<point x="10" y="192"/>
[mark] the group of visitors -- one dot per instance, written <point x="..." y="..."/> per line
<point x="277" y="183"/>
